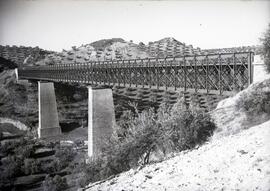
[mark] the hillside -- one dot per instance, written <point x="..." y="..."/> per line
<point x="109" y="49"/>
<point x="236" y="157"/>
<point x="119" y="49"/>
<point x="106" y="49"/>
<point x="168" y="47"/>
<point x="22" y="54"/>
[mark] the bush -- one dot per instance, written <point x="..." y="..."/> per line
<point x="170" y="129"/>
<point x="12" y="167"/>
<point x="65" y="156"/>
<point x="57" y="183"/>
<point x="31" y="166"/>
<point x="266" y="48"/>
<point x="255" y="103"/>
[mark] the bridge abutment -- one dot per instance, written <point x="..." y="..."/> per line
<point x="101" y="118"/>
<point x="48" y="115"/>
<point x="259" y="69"/>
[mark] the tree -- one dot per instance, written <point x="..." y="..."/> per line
<point x="266" y="48"/>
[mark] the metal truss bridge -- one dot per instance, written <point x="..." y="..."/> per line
<point x="213" y="73"/>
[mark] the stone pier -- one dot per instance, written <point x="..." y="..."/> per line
<point x="259" y="70"/>
<point x="101" y="118"/>
<point x="48" y="115"/>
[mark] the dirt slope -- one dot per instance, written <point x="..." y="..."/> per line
<point x="239" y="161"/>
<point x="236" y="158"/>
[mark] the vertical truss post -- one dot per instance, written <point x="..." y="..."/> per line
<point x="123" y="73"/>
<point x="55" y="73"/>
<point x="174" y="69"/>
<point x="150" y="73"/>
<point x="196" y="76"/>
<point x="58" y="72"/>
<point x="234" y="72"/>
<point x="136" y="72"/>
<point x="119" y="72"/>
<point x="71" y="73"/>
<point x="68" y="75"/>
<point x="95" y="70"/>
<point x="110" y="72"/>
<point x="219" y="73"/>
<point x="207" y="74"/>
<point x="157" y="73"/>
<point x="250" y="69"/>
<point x="166" y="79"/>
<point x="185" y="73"/>
<point x="142" y="72"/>
<point x="129" y="72"/>
<point x="87" y="73"/>
<point x="105" y="73"/>
<point x="98" y="73"/>
<point x="91" y="70"/>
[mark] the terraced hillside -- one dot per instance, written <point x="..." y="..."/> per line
<point x="108" y="49"/>
<point x="22" y="54"/>
<point x="255" y="49"/>
<point x="117" y="48"/>
<point x="170" y="47"/>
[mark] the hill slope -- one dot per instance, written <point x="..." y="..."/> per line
<point x="239" y="161"/>
<point x="236" y="158"/>
<point x="117" y="48"/>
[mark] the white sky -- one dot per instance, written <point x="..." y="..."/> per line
<point x="54" y="25"/>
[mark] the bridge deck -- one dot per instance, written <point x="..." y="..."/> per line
<point x="218" y="74"/>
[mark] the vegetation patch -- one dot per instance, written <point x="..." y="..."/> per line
<point x="20" y="167"/>
<point x="139" y="136"/>
<point x="256" y="103"/>
<point x="266" y="48"/>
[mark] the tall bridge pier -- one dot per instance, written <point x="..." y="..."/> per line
<point x="101" y="118"/>
<point x="48" y="116"/>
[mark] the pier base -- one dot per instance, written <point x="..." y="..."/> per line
<point x="101" y="118"/>
<point x="48" y="115"/>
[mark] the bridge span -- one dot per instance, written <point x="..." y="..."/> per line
<point x="213" y="73"/>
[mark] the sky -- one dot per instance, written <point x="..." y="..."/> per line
<point x="60" y="24"/>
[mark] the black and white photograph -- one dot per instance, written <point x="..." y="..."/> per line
<point x="130" y="95"/>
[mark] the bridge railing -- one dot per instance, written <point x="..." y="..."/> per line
<point x="213" y="73"/>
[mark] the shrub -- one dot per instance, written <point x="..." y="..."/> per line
<point x="48" y="184"/>
<point x="168" y="130"/>
<point x="57" y="183"/>
<point x="255" y="103"/>
<point x="266" y="48"/>
<point x="12" y="167"/>
<point x="51" y="167"/>
<point x="65" y="156"/>
<point x="25" y="151"/>
<point x="31" y="166"/>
